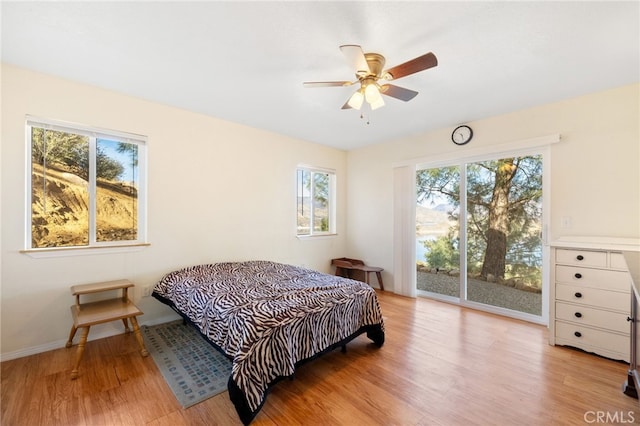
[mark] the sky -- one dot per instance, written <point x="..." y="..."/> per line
<point x="110" y="148"/>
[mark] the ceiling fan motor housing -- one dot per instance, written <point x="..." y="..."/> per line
<point x="376" y="63"/>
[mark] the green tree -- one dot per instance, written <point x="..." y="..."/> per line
<point x="107" y="167"/>
<point x="320" y="185"/>
<point x="503" y="202"/>
<point x="131" y="149"/>
<point x="321" y="188"/>
<point x="443" y="253"/>
<point x="52" y="148"/>
<point x="55" y="148"/>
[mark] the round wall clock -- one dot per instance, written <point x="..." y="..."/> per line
<point x="461" y="135"/>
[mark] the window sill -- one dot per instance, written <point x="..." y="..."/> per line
<point x="316" y="236"/>
<point x="82" y="251"/>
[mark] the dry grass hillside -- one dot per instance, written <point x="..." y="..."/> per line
<point x="60" y="209"/>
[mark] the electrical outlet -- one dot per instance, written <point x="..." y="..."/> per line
<point x="147" y="291"/>
<point x="565" y="222"/>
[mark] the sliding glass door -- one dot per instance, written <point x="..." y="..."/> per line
<point x="483" y="218"/>
<point x="438" y="231"/>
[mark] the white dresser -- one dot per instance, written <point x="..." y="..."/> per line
<point x="590" y="295"/>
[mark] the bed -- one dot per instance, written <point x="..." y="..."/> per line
<point x="268" y="318"/>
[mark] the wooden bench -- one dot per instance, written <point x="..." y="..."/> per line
<point x="346" y="267"/>
<point x="87" y="314"/>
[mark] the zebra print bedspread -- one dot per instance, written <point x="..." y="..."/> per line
<point x="269" y="317"/>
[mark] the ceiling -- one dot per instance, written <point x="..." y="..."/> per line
<point x="245" y="61"/>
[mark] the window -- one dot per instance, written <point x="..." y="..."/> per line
<point x="315" y="201"/>
<point x="86" y="186"/>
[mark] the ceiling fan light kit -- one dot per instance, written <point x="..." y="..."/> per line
<point x="369" y="71"/>
<point x="372" y="96"/>
<point x="356" y="100"/>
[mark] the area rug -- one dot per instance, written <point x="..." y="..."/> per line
<point x="192" y="368"/>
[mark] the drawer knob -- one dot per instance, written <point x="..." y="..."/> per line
<point x="578" y="275"/>
<point x="577" y="334"/>
<point x="578" y="294"/>
<point x="578" y="315"/>
<point x="629" y="319"/>
<point x="580" y="257"/>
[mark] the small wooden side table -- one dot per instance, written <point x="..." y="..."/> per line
<point x="367" y="270"/>
<point x="344" y="267"/>
<point x="87" y="314"/>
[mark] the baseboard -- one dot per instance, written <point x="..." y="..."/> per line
<point x="92" y="336"/>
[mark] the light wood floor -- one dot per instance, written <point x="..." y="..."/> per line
<point x="440" y="365"/>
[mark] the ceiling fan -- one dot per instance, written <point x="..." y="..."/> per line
<point x="369" y="73"/>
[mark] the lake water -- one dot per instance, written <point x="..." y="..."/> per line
<point x="420" y="250"/>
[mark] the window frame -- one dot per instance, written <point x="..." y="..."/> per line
<point x="94" y="134"/>
<point x="331" y="201"/>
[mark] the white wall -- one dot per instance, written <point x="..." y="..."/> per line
<point x="203" y="176"/>
<point x="217" y="191"/>
<point x="595" y="170"/>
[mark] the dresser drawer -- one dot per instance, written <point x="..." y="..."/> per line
<point x="593" y="297"/>
<point x="588" y="338"/>
<point x="596" y="259"/>
<point x="596" y="278"/>
<point x="618" y="262"/>
<point x="585" y="315"/>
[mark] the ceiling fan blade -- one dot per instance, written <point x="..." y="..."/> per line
<point x="327" y="83"/>
<point x="355" y="58"/>
<point x="398" y="92"/>
<point x="421" y="63"/>
<point x="346" y="105"/>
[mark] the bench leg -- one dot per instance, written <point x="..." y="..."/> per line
<point x="379" y="275"/>
<point x="138" y="334"/>
<point x="72" y="333"/>
<point x="80" y="352"/>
